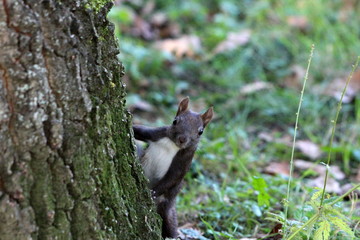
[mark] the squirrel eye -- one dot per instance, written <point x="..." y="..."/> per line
<point x="175" y="121"/>
<point x="201" y="131"/>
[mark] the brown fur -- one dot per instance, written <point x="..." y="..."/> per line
<point x="185" y="133"/>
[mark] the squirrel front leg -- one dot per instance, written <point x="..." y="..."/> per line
<point x="146" y="134"/>
<point x="171" y="182"/>
<point x="167" y="211"/>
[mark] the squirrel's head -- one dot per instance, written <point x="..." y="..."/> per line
<point x="188" y="126"/>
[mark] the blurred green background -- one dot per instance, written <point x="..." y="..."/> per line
<point x="247" y="58"/>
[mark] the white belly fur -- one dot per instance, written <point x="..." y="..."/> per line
<point x="157" y="159"/>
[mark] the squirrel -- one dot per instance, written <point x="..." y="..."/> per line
<point x="168" y="157"/>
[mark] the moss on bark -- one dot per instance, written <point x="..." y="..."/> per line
<point x="68" y="170"/>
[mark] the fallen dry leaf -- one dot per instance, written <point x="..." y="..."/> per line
<point x="296" y="77"/>
<point x="255" y="87"/>
<point x="335" y="171"/>
<point x="335" y="174"/>
<point x="148" y="7"/>
<point x="267" y="137"/>
<point x="274" y="234"/>
<point x="163" y="27"/>
<point x="299" y="22"/>
<point x="357" y="178"/>
<point x="306" y="165"/>
<point x="346" y="187"/>
<point x="142" y="29"/>
<point x="233" y="40"/>
<point x="335" y="88"/>
<point x="159" y="19"/>
<point x="347" y="8"/>
<point x="331" y="185"/>
<point x="275" y="168"/>
<point x="309" y="148"/>
<point x="188" y="45"/>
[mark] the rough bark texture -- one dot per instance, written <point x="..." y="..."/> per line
<point x="67" y="168"/>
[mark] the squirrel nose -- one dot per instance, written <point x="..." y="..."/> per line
<point x="182" y="139"/>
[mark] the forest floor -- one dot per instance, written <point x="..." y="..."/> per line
<point x="248" y="59"/>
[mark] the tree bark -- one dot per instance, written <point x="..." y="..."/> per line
<point x="67" y="164"/>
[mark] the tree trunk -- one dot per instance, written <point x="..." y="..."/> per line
<point x="67" y="168"/>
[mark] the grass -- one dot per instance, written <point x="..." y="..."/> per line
<point x="227" y="194"/>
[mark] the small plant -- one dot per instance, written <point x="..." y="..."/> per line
<point x="325" y="219"/>
<point x="327" y="216"/>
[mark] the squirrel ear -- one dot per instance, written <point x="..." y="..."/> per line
<point x="207" y="116"/>
<point x="183" y="106"/>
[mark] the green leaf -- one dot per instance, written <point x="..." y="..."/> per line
<point x="323" y="232"/>
<point x="341" y="225"/>
<point x="275" y="217"/>
<point x="317" y="194"/>
<point x="263" y="197"/>
<point x="334" y="211"/>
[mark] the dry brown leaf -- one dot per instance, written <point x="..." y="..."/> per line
<point x="346" y="187"/>
<point x="267" y="137"/>
<point x="233" y="40"/>
<point x="142" y="29"/>
<point x="331" y="185"/>
<point x="336" y="87"/>
<point x="163" y="27"/>
<point x="275" y="168"/>
<point x="357" y="178"/>
<point x="255" y="87"/>
<point x="299" y="22"/>
<point x="347" y="8"/>
<point x="309" y="148"/>
<point x="295" y="79"/>
<point x="275" y="233"/>
<point x="335" y="171"/>
<point x="159" y="19"/>
<point x="188" y="45"/>
<point x="286" y="140"/>
<point x="148" y="7"/>
<point x="187" y="225"/>
<point x="306" y="165"/>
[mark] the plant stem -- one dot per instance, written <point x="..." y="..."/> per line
<point x="334" y="127"/>
<point x="344" y="195"/>
<point x="314" y="218"/>
<point x="294" y="140"/>
<point x="310" y="221"/>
